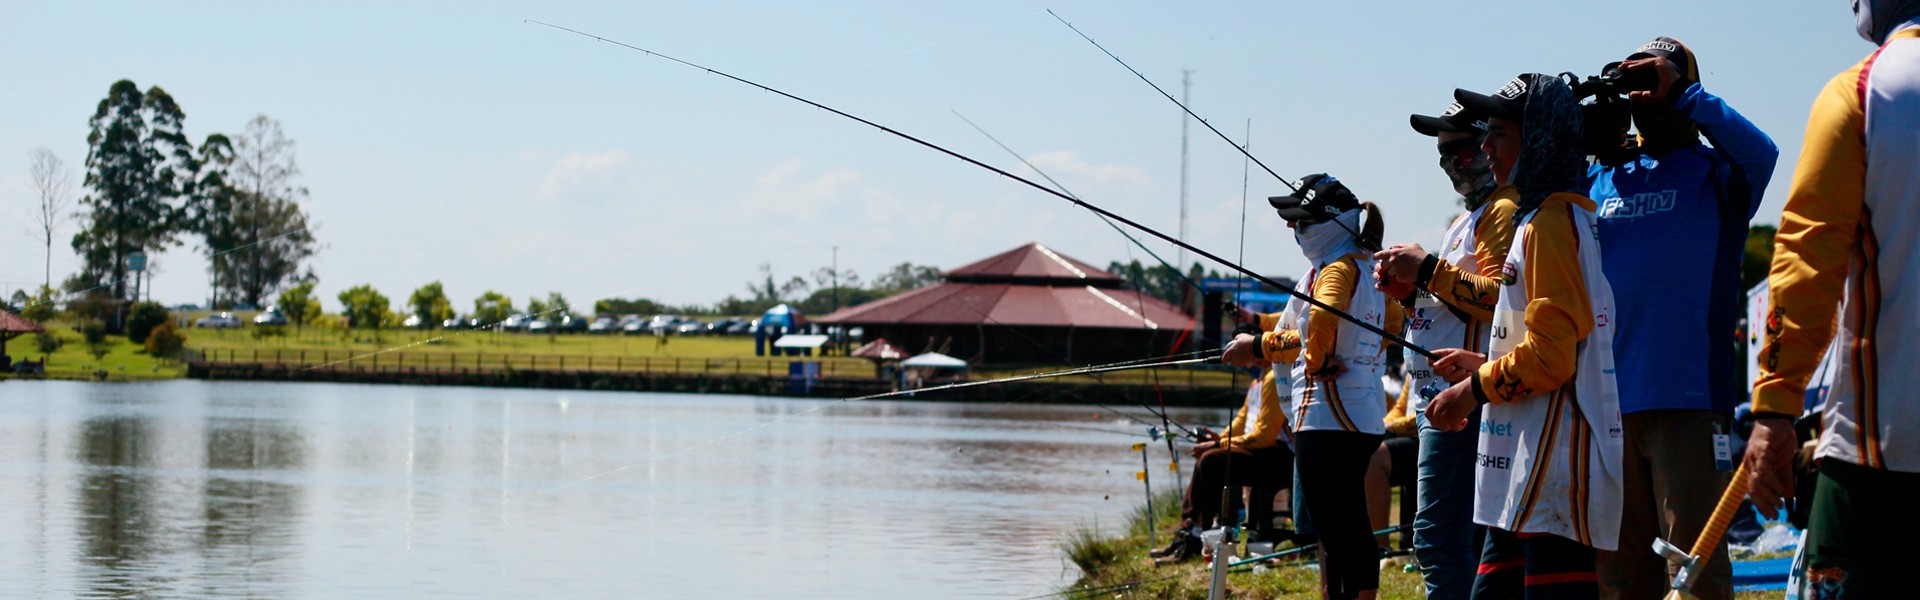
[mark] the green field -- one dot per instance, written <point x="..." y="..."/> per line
<point x="124" y="360"/>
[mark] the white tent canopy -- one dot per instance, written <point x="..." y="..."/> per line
<point x="934" y="360"/>
<point x="800" y="341"/>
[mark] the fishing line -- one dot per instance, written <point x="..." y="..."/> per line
<point x="1028" y="182"/>
<point x="1107" y="368"/>
<point x="1156" y="87"/>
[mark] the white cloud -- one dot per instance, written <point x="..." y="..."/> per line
<point x="1086" y="178"/>
<point x="788" y="190"/>
<point x="592" y="178"/>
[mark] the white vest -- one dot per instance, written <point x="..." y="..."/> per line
<point x="1432" y="325"/>
<point x="1551" y="463"/>
<point x="1355" y="401"/>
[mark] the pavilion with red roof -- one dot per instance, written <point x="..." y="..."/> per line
<point x="1023" y="306"/>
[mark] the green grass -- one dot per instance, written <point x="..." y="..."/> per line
<point x="124" y="360"/>
<point x="1117" y="566"/>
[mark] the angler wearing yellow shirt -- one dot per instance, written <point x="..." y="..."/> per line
<point x="1850" y="239"/>
<point x="1548" y="471"/>
<point x="1252" y="452"/>
<point x="1337" y="409"/>
<point x="1452" y="302"/>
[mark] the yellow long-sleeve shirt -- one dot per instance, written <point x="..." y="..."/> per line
<point x="1559" y="312"/>
<point x="1471" y="293"/>
<point x="1263" y="430"/>
<point x="1332" y="286"/>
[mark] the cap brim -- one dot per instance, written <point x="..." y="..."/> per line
<point x="1430" y="126"/>
<point x="1480" y="103"/>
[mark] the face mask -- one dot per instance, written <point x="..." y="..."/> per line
<point x="1323" y="242"/>
<point x="1468" y="175"/>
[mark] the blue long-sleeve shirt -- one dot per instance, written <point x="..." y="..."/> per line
<point x="1673" y="229"/>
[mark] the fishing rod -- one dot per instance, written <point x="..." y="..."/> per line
<point x="1166" y="422"/>
<point x="1176" y="101"/>
<point x="1307" y="298"/>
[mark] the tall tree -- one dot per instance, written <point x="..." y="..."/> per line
<point x="492" y="307"/>
<point x="139" y="168"/>
<point x="55" y="186"/>
<point x="430" y="304"/>
<point x="249" y="212"/>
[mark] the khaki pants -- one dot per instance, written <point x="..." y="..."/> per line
<point x="1671" y="486"/>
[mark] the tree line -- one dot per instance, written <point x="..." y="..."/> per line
<point x="148" y="187"/>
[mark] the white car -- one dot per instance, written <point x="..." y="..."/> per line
<point x="224" y="320"/>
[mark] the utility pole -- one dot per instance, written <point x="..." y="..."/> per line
<point x="1186" y="91"/>
<point x="836" y="279"/>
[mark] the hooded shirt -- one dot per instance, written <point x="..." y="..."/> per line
<point x="1552" y="158"/>
<point x="1876" y="19"/>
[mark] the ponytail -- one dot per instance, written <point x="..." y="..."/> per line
<point x="1372" y="228"/>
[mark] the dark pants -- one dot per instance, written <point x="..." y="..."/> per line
<point x="1535" y="566"/>
<point x="1265" y="468"/>
<point x="1445" y="537"/>
<point x="1333" y="485"/>
<point x="1860" y="522"/>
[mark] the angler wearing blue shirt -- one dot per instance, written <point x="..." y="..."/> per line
<point x="1673" y="229"/>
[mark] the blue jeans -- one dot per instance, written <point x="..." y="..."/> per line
<point x="1445" y="538"/>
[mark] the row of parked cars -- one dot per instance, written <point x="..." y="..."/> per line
<point x="271" y="317"/>
<point x="526" y="323"/>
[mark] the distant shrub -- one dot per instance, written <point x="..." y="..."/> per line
<point x="165" y="341"/>
<point x="46" y="342"/>
<point x="95" y="334"/>
<point x="143" y="318"/>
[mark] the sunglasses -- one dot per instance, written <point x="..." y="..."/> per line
<point x="1460" y="148"/>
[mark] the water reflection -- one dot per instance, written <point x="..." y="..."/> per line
<point x="192" y="489"/>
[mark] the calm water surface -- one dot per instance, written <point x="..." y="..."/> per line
<point x="198" y="489"/>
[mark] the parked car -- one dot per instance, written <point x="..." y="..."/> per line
<point x="454" y="323"/>
<point x="719" y="326"/>
<point x="413" y="322"/>
<point x="539" y="326"/>
<point x="661" y="323"/>
<point x="631" y="324"/>
<point x="571" y="324"/>
<point x="271" y="317"/>
<point x="516" y="323"/>
<point x="741" y="327"/>
<point x="224" y="320"/>
<point x="690" y="327"/>
<point x="603" y="325"/>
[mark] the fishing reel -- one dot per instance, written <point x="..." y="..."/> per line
<point x="1608" y="117"/>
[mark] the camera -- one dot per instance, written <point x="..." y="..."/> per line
<point x="1608" y="116"/>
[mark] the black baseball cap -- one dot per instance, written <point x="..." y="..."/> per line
<point x="1509" y="103"/>
<point x="1671" y="49"/>
<point x="1456" y="119"/>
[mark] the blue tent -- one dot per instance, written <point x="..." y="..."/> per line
<point x="784" y="315"/>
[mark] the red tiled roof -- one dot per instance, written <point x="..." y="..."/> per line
<point x="1012" y="304"/>
<point x="1031" y="261"/>
<point x="13" y="323"/>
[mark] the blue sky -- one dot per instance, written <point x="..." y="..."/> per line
<point x="454" y="142"/>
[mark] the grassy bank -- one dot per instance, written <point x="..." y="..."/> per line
<point x="1117" y="566"/>
<point x="124" y="360"/>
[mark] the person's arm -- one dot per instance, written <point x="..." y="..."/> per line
<point x="1818" y="236"/>
<point x="1398" y="421"/>
<point x="1473" y="294"/>
<point x="1333" y="287"/>
<point x="1281" y="346"/>
<point x="1269" y="321"/>
<point x="1736" y="139"/>
<point x="1559" y="314"/>
<point x="1263" y="429"/>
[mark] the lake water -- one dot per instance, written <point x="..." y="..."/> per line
<point x="199" y="489"/>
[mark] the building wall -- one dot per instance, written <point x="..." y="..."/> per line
<point x="1018" y="345"/>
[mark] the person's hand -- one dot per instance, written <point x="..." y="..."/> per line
<point x="1663" y="68"/>
<point x="1449" y="410"/>
<point x="1399" y="263"/>
<point x="1202" y="448"/>
<point x="1205" y="435"/>
<point x="1239" y="352"/>
<point x="1769" y="462"/>
<point x="1455" y="364"/>
<point x="1243" y="316"/>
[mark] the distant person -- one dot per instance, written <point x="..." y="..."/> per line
<point x="1549" y="382"/>
<point x="1452" y="301"/>
<point x="1336" y="367"/>
<point x="1850" y="238"/>
<point x="1673" y="230"/>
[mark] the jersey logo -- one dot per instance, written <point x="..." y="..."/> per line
<point x="1509" y="273"/>
<point x="1640" y="205"/>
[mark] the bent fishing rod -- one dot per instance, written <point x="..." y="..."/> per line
<point x="1307" y="298"/>
<point x="1177" y="102"/>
